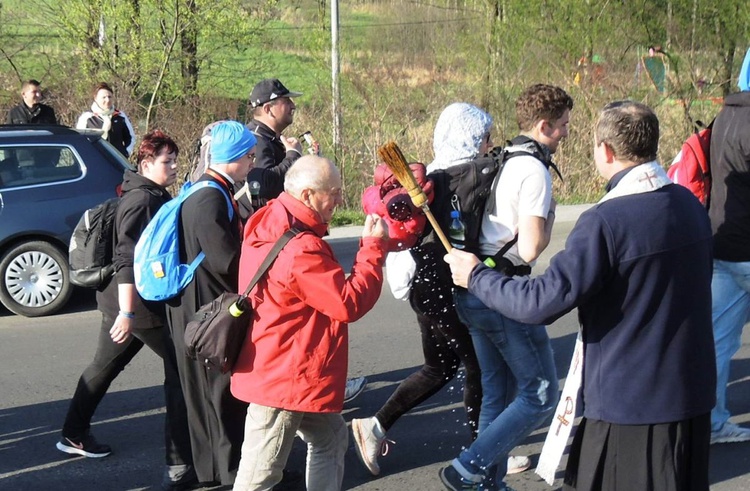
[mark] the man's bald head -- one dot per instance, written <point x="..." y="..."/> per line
<point x="311" y="172"/>
<point x="316" y="182"/>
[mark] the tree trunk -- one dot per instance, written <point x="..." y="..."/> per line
<point x="189" y="45"/>
<point x="495" y="17"/>
<point x="136" y="28"/>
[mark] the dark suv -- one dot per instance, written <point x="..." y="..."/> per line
<point x="49" y="175"/>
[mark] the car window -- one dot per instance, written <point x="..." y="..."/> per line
<point x="107" y="147"/>
<point x="30" y="165"/>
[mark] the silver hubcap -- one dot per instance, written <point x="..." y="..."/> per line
<point x="33" y="279"/>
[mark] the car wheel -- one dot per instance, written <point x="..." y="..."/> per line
<point x="34" y="279"/>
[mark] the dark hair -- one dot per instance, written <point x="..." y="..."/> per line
<point x="153" y="143"/>
<point x="541" y="102"/>
<point x="100" y="86"/>
<point x="630" y="129"/>
<point x="29" y="82"/>
<point x="258" y="110"/>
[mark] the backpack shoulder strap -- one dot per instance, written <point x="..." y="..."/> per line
<point x="502" y="156"/>
<point x="192" y="189"/>
<point x="202" y="184"/>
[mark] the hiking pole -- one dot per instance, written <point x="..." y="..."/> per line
<point x="394" y="159"/>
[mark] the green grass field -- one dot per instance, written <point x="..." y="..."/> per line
<point x="401" y="63"/>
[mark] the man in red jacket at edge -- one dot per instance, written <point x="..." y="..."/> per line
<point x="292" y="368"/>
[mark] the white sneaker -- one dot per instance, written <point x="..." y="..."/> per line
<point x="730" y="433"/>
<point x="370" y="442"/>
<point x="354" y="387"/>
<point x="517" y="463"/>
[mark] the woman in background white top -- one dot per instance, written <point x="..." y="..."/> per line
<point x="114" y="123"/>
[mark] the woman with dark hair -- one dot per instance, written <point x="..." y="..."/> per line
<point x="115" y="125"/>
<point x="129" y="322"/>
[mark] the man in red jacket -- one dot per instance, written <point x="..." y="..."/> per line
<point x="292" y="368"/>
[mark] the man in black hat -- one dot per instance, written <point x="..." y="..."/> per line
<point x="273" y="112"/>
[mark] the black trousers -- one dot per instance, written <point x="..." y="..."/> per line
<point x="216" y="418"/>
<point x="446" y="344"/>
<point x="657" y="457"/>
<point x="110" y="359"/>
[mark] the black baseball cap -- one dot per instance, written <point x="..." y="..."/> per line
<point x="268" y="90"/>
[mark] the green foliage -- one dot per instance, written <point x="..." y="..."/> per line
<point x="402" y="62"/>
<point x="343" y="216"/>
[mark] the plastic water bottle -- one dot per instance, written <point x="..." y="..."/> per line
<point x="457" y="230"/>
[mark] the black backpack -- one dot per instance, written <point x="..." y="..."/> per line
<point x="469" y="188"/>
<point x="92" y="246"/>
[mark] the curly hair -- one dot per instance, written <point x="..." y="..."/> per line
<point x="541" y="102"/>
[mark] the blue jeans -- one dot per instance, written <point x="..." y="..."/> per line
<point x="519" y="385"/>
<point x="730" y="310"/>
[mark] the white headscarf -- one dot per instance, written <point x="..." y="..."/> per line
<point x="458" y="135"/>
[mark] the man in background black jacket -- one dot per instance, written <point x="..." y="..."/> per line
<point x="273" y="111"/>
<point x="30" y="110"/>
<point x="729" y="212"/>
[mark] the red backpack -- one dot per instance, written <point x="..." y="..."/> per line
<point x="691" y="167"/>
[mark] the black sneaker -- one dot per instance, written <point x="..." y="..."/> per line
<point x="181" y="480"/>
<point x="86" y="446"/>
<point x="455" y="482"/>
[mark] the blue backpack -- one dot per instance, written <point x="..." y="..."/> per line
<point x="159" y="275"/>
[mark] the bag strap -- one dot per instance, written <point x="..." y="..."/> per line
<point x="270" y="258"/>
<point x="203" y="184"/>
<point x="505" y="249"/>
<point x="190" y="269"/>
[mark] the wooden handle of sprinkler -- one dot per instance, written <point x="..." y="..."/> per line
<point x="419" y="198"/>
<point x="394" y="159"/>
<point x="439" y="231"/>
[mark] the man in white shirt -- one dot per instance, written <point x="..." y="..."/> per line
<point x="519" y="381"/>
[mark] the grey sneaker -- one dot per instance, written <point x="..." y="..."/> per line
<point x="517" y="464"/>
<point x="730" y="433"/>
<point x="354" y="387"/>
<point x="369" y="443"/>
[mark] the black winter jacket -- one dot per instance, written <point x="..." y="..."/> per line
<point x="140" y="201"/>
<point x="271" y="161"/>
<point x="39" y="114"/>
<point x="729" y="209"/>
<point x="121" y="134"/>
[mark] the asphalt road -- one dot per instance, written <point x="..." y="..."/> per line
<point x="41" y="360"/>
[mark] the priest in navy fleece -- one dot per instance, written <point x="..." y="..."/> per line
<point x="638" y="267"/>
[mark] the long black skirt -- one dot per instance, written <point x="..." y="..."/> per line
<point x="659" y="457"/>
